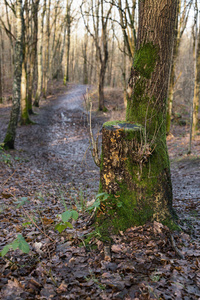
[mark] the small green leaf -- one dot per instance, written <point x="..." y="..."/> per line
<point x="5" y="250"/>
<point x="105" y="197"/>
<point x="60" y="227"/>
<point x="66" y="216"/>
<point x="26" y="224"/>
<point x="22" y="201"/>
<point x="23" y="245"/>
<point x="15" y="244"/>
<point x="100" y="195"/>
<point x="69" y="225"/>
<point x="74" y="215"/>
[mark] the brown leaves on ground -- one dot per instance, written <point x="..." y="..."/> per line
<point x="143" y="265"/>
<point x="54" y="169"/>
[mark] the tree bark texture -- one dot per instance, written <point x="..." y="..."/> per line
<point x="24" y="119"/>
<point x="66" y="75"/>
<point x="33" y="53"/>
<point x="11" y="130"/>
<point x="148" y="90"/>
<point x="46" y="66"/>
<point x="146" y="192"/>
<point x="1" y="89"/>
<point x="196" y="88"/>
<point x="40" y="56"/>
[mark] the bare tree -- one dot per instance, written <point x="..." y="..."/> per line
<point x="40" y="55"/>
<point x="47" y="50"/>
<point x="69" y="20"/>
<point x="99" y="18"/>
<point x="196" y="97"/>
<point x="11" y="131"/>
<point x="181" y="22"/>
<point x="32" y="58"/>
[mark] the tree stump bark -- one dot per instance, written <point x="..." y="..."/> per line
<point x="135" y="176"/>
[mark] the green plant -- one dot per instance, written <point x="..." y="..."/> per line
<point x="80" y="201"/>
<point x="99" y="199"/>
<point x="4" y="157"/>
<point x="95" y="280"/>
<point x="18" y="243"/>
<point x="65" y="217"/>
<point x="155" y="276"/>
<point x="22" y="201"/>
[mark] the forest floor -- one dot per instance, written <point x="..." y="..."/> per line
<point x="51" y="169"/>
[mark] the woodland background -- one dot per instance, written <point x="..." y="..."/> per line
<point x="51" y="171"/>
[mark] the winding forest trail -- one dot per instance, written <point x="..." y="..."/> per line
<point x="56" y="148"/>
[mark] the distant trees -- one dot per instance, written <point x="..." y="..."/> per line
<point x="96" y="46"/>
<point x="99" y="17"/>
<point x="182" y="16"/>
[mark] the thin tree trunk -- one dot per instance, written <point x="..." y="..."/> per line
<point x="196" y="86"/>
<point x="33" y="54"/>
<point x="85" y="60"/>
<point x="40" y="56"/>
<point x="46" y="67"/>
<point x="2" y="60"/>
<point x="11" y="130"/>
<point x="1" y="88"/>
<point x="181" y="22"/>
<point x="66" y="75"/>
<point x="24" y="119"/>
<point x="124" y="75"/>
<point x="60" y="58"/>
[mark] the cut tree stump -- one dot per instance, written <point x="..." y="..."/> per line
<point x="130" y="173"/>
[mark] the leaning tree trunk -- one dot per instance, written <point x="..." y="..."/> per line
<point x="135" y="168"/>
<point x="11" y="131"/>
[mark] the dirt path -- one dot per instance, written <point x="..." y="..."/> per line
<point x="57" y="146"/>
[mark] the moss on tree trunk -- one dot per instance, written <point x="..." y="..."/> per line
<point x="135" y="169"/>
<point x="136" y="175"/>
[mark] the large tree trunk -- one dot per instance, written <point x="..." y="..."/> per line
<point x="146" y="193"/>
<point x="11" y="131"/>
